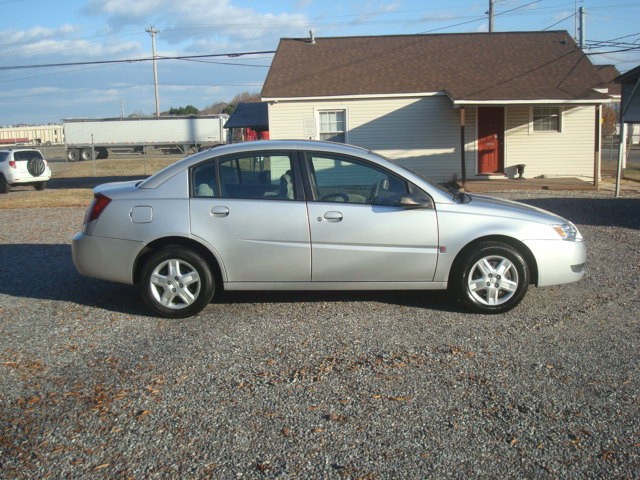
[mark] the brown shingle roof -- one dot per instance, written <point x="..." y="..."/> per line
<point x="509" y="66"/>
<point x="608" y="74"/>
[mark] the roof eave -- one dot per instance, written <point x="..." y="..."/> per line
<point x="540" y="101"/>
<point x="362" y="96"/>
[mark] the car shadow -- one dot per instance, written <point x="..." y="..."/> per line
<point x="46" y="272"/>
<point x="434" y="300"/>
<point x="605" y="212"/>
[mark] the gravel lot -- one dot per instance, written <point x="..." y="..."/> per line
<point x="322" y="385"/>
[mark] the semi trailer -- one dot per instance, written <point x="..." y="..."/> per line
<point x="93" y="138"/>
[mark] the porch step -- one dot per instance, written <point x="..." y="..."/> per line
<point x="491" y="176"/>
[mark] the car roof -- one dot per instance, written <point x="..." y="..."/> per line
<point x="279" y="145"/>
<point x="260" y="145"/>
<point x="19" y="150"/>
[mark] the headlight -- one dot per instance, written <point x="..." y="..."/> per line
<point x="567" y="231"/>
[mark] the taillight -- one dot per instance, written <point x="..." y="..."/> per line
<point x="12" y="163"/>
<point x="96" y="208"/>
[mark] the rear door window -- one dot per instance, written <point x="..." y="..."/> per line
<point x="259" y="175"/>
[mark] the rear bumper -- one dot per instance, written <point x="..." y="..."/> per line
<point x="27" y="180"/>
<point x="559" y="261"/>
<point x="105" y="258"/>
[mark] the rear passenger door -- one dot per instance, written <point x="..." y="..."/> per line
<point x="250" y="209"/>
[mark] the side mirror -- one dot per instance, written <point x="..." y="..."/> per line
<point x="412" y="202"/>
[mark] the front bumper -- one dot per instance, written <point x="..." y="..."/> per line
<point x="559" y="261"/>
<point x="105" y="258"/>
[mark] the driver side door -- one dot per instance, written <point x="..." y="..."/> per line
<point x="359" y="231"/>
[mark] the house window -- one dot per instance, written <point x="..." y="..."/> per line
<point x="332" y="125"/>
<point x="546" y="119"/>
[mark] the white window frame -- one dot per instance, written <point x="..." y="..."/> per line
<point x="318" y="115"/>
<point x="560" y="111"/>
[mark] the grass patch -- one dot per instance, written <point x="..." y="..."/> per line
<point x="28" y="197"/>
<point x="118" y="167"/>
<point x="632" y="174"/>
<point x="113" y="168"/>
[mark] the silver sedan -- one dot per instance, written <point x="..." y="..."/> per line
<point x="299" y="215"/>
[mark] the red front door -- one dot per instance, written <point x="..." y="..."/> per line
<point x="490" y="139"/>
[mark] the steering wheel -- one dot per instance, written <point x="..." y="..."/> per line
<point x="332" y="197"/>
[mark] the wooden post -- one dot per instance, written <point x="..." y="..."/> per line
<point x="463" y="164"/>
<point x="598" y="150"/>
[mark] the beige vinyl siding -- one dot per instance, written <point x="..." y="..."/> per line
<point x="569" y="152"/>
<point x="421" y="133"/>
<point x="424" y="134"/>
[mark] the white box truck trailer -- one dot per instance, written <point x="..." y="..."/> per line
<point x="189" y="133"/>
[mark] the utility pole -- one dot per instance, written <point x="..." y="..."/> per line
<point x="490" y="12"/>
<point x="583" y="36"/>
<point x="152" y="31"/>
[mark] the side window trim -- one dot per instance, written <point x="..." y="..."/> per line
<point x="310" y="180"/>
<point x="233" y="161"/>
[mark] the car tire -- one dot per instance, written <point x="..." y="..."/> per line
<point x="85" y="154"/>
<point x="4" y="185"/>
<point x="36" y="167"/>
<point x="73" y="155"/>
<point x="176" y="282"/>
<point x="491" y="277"/>
<point x="40" y="185"/>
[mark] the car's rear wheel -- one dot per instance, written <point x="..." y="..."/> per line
<point x="4" y="185"/>
<point x="176" y="282"/>
<point x="40" y="185"/>
<point x="492" y="277"/>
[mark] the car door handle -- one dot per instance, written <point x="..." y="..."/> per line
<point x="333" y="216"/>
<point x="219" y="211"/>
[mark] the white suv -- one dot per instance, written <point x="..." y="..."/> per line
<point x="23" y="166"/>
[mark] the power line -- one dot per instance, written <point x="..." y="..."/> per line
<point x="558" y="22"/>
<point x="479" y="19"/>
<point x="136" y="60"/>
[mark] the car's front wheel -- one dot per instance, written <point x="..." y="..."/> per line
<point x="176" y="282"/>
<point x="493" y="277"/>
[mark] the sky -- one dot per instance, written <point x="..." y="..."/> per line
<point x="91" y="58"/>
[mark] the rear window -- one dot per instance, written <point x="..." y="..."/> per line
<point x="27" y="155"/>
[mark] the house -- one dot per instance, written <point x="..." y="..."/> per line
<point x="514" y="98"/>
<point x="630" y="85"/>
<point x="629" y="115"/>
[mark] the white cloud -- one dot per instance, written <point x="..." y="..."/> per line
<point x="188" y="22"/>
<point x="10" y="38"/>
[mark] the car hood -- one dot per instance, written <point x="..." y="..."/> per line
<point x="483" y="205"/>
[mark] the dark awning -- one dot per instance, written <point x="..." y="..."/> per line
<point x="249" y="115"/>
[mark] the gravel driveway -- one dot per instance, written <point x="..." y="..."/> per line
<point x="320" y="385"/>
